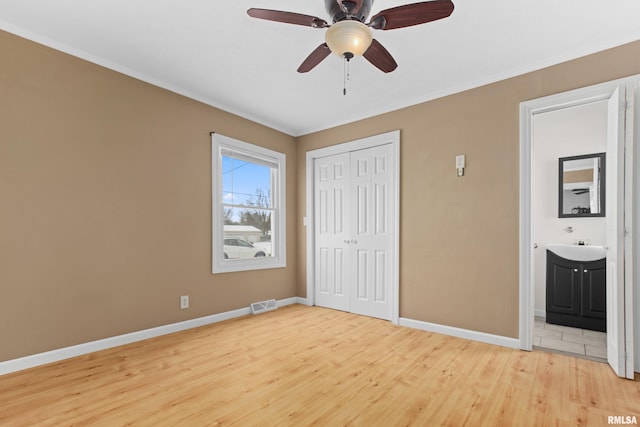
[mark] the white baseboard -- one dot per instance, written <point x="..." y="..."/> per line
<point x="303" y="301"/>
<point x="292" y="300"/>
<point x="461" y="333"/>
<point x="103" y="344"/>
<point x="540" y="313"/>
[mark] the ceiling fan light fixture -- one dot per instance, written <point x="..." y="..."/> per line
<point x="349" y="36"/>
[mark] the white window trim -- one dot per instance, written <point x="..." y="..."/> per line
<point x="279" y="258"/>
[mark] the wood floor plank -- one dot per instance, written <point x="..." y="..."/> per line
<point x="306" y="366"/>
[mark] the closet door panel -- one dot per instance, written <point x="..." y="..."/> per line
<point x="370" y="183"/>
<point x="331" y="201"/>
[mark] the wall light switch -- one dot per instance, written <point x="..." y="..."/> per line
<point x="460" y="164"/>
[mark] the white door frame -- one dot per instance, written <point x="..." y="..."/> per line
<point x="528" y="110"/>
<point x="392" y="138"/>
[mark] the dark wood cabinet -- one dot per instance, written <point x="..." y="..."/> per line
<point x="576" y="293"/>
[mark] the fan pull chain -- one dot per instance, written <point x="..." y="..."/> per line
<point x="347" y="76"/>
<point x="344" y="77"/>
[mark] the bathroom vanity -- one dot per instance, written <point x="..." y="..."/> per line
<point x="576" y="286"/>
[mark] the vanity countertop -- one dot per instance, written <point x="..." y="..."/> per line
<point x="578" y="252"/>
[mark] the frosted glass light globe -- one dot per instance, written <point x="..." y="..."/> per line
<point x="348" y="37"/>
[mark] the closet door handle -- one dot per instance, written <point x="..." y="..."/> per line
<point x="575" y="270"/>
<point x="586" y="271"/>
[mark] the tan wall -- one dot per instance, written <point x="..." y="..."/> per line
<point x="105" y="204"/>
<point x="459" y="236"/>
<point x="584" y="175"/>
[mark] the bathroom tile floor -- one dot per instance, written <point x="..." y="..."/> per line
<point x="564" y="339"/>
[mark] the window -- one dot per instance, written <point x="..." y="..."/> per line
<point x="248" y="186"/>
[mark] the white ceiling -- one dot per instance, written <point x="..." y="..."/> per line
<point x="212" y="51"/>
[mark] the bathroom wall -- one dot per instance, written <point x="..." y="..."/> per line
<point x="561" y="133"/>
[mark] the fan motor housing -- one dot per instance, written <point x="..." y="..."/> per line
<point x="339" y="14"/>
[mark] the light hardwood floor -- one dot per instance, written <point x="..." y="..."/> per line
<point x="304" y="366"/>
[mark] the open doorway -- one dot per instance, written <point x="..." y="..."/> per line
<point x="619" y="219"/>
<point x="569" y="293"/>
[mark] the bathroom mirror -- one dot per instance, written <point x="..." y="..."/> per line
<point x="582" y="186"/>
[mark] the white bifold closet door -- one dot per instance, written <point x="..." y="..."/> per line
<point x="353" y="239"/>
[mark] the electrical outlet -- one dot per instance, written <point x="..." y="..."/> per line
<point x="184" y="301"/>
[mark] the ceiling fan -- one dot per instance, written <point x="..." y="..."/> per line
<point x="350" y="36"/>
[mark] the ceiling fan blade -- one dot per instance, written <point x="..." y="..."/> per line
<point x="380" y="57"/>
<point x="411" y="14"/>
<point x="288" y="17"/>
<point x="314" y="58"/>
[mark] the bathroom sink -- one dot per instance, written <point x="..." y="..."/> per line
<point x="578" y="253"/>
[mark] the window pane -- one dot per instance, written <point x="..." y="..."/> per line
<point x="245" y="183"/>
<point x="247" y="233"/>
<point x="248" y="206"/>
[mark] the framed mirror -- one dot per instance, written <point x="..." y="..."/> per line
<point x="581" y="191"/>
